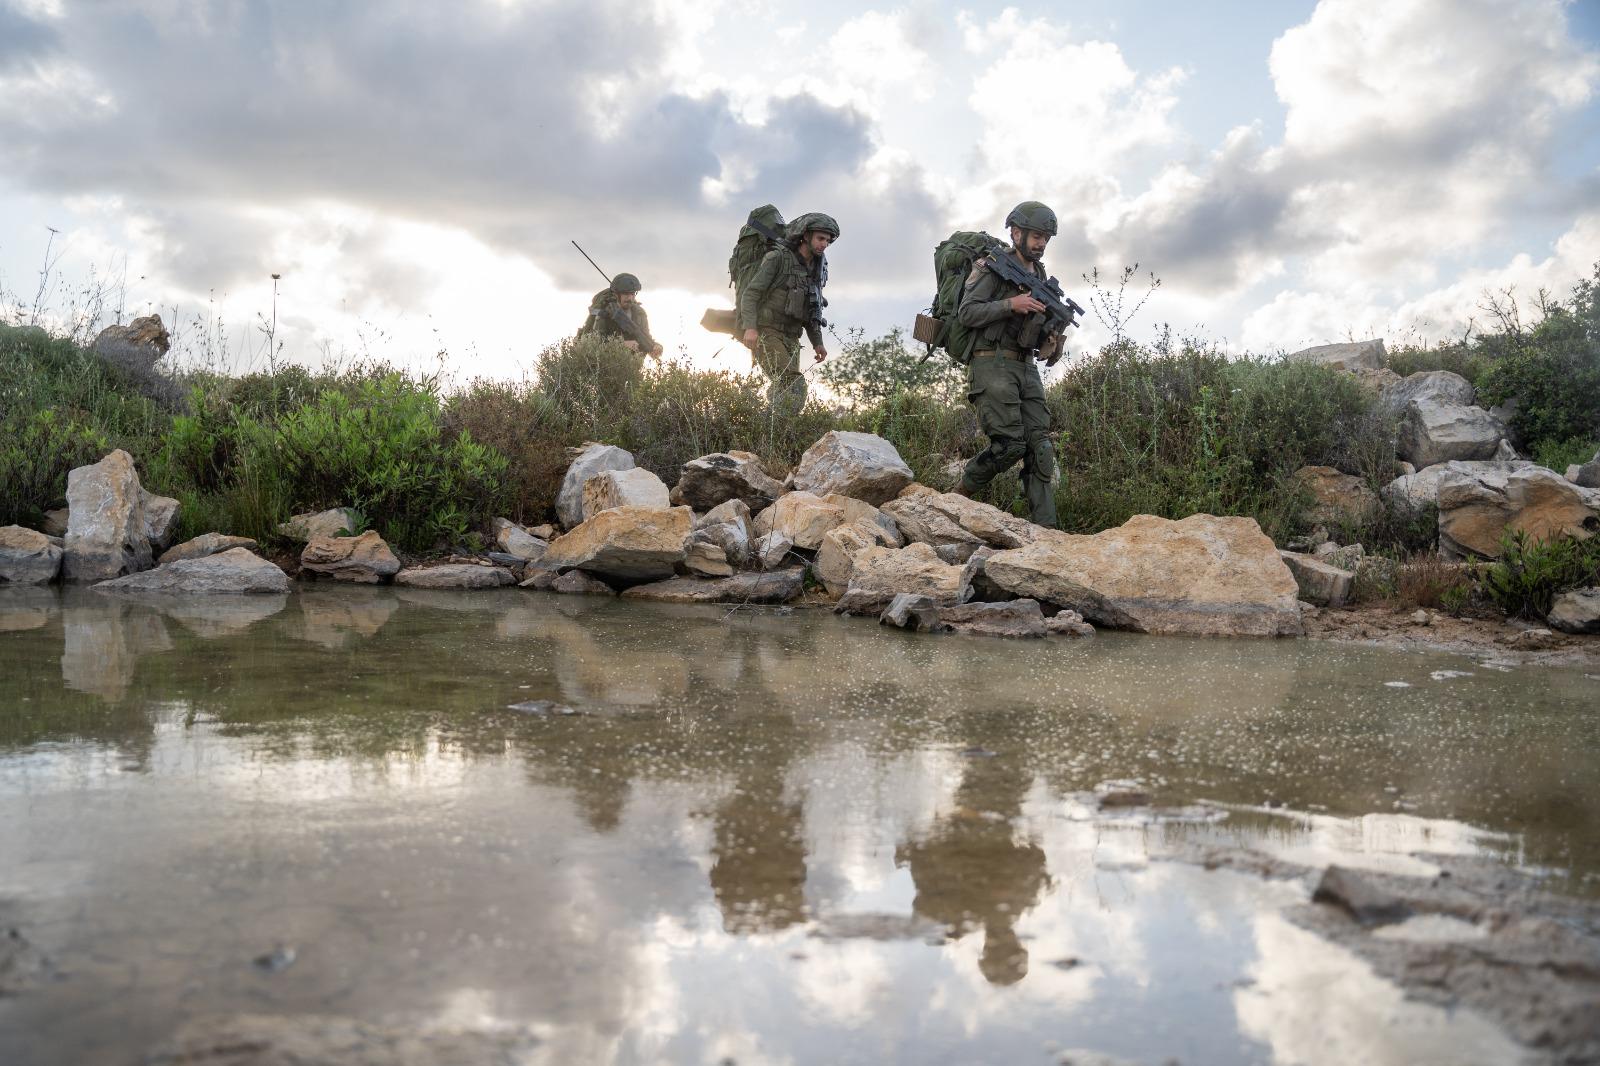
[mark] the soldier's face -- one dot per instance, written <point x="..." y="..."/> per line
<point x="627" y="299"/>
<point x="1030" y="242"/>
<point x="819" y="241"/>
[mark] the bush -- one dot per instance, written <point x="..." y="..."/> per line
<point x="1530" y="573"/>
<point x="1463" y="357"/>
<point x="1552" y="371"/>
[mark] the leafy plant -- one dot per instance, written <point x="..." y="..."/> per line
<point x="1530" y="573"/>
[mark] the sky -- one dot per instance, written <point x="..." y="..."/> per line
<point x="1294" y="172"/>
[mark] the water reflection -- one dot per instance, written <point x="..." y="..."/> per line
<point x="762" y="833"/>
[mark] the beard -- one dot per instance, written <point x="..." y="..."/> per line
<point x="1030" y="254"/>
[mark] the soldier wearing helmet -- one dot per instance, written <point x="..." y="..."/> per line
<point x="780" y="303"/>
<point x="1003" y="381"/>
<point x="620" y="299"/>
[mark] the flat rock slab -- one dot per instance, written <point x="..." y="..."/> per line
<point x="625" y="543"/>
<point x="455" y="576"/>
<point x="206" y="544"/>
<point x="946" y="518"/>
<point x="775" y="586"/>
<point x="1203" y="575"/>
<point x="1356" y="355"/>
<point x="235" y="571"/>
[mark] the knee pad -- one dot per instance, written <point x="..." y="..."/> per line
<point x="1042" y="459"/>
<point x="1006" y="452"/>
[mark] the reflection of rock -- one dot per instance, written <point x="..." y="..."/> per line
<point x="233" y="572"/>
<point x="777" y="586"/>
<point x="211" y="617"/>
<point x="105" y="525"/>
<point x="102" y="647"/>
<point x="26" y="607"/>
<point x="330" y="617"/>
<point x="27" y="557"/>
<point x="758" y="872"/>
<point x="262" y="1040"/>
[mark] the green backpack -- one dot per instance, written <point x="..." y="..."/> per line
<point x="952" y="262"/>
<point x="752" y="247"/>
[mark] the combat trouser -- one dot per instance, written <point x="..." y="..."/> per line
<point x="778" y="356"/>
<point x="1009" y="397"/>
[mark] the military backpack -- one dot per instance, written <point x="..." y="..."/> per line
<point x="752" y="247"/>
<point x="952" y="263"/>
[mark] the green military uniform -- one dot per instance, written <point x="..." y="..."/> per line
<point x="1003" y="384"/>
<point x="602" y="322"/>
<point x="776" y="303"/>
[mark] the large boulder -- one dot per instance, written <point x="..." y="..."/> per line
<point x="455" y="576"/>
<point x="1320" y="582"/>
<point x="727" y="525"/>
<point x="1439" y="386"/>
<point x="304" y="528"/>
<point x="27" y="557"/>
<point x="234" y="572"/>
<point x="880" y="573"/>
<point x="1339" y="499"/>
<point x="777" y="586"/>
<point x="365" y="559"/>
<point x="1410" y="495"/>
<point x="517" y="541"/>
<point x="803" y="517"/>
<point x="160" y="520"/>
<point x="862" y="465"/>
<point x="1477" y="509"/>
<point x="1588" y="475"/>
<point x="1576" y="612"/>
<point x="1359" y="355"/>
<point x="835" y="561"/>
<point x="625" y="544"/>
<point x="203" y="545"/>
<point x="715" y="479"/>
<point x="623" y="488"/>
<point x="948" y="519"/>
<point x="1433" y="431"/>
<point x="106" y="534"/>
<point x="1201" y="575"/>
<point x="137" y="345"/>
<point x="588" y="462"/>
<point x="861" y="511"/>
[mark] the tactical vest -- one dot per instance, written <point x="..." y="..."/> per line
<point x="1013" y="333"/>
<point x="783" y="306"/>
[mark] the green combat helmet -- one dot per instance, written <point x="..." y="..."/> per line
<point x="1031" y="214"/>
<point x="813" y="220"/>
<point x="625" y="283"/>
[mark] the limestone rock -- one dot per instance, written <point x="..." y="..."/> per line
<point x="1476" y="509"/>
<point x="55" y="522"/>
<point x="623" y="488"/>
<point x="160" y="519"/>
<point x="1068" y="624"/>
<point x="514" y="540"/>
<point x="545" y="532"/>
<point x="541" y="580"/>
<point x="862" y="465"/>
<point x="1202" y="575"/>
<point x="715" y="479"/>
<point x="706" y="559"/>
<point x="881" y="573"/>
<point x="777" y="586"/>
<point x="627" y="544"/>
<point x="727" y="525"/>
<point x="330" y="523"/>
<point x="1577" y="611"/>
<point x="907" y="610"/>
<point x="1438" y="386"/>
<point x="1013" y="618"/>
<point x="801" y="516"/>
<point x="1341" y="499"/>
<point x="1320" y="582"/>
<point x="835" y="560"/>
<point x="365" y="559"/>
<point x="1504" y="452"/>
<point x="1360" y="355"/>
<point x="861" y="511"/>
<point x="205" y="544"/>
<point x="1435" y="432"/>
<point x="27" y="557"/>
<point x="106" y="534"/>
<point x="1412" y="494"/>
<point x="455" y="576"/>
<point x="771" y="551"/>
<point x="916" y="488"/>
<point x="578" y="583"/>
<point x="235" y="571"/>
<point x="1588" y="475"/>
<point x="946" y="518"/>
<point x="589" y="461"/>
<point x="139" y="344"/>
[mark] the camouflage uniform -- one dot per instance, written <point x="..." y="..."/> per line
<point x="776" y="303"/>
<point x="601" y="324"/>
<point x="1003" y="384"/>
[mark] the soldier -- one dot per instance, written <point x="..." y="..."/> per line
<point x="777" y="305"/>
<point x="621" y="298"/>
<point x="1002" y="380"/>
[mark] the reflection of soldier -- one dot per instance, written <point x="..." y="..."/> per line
<point x="759" y="876"/>
<point x="971" y="870"/>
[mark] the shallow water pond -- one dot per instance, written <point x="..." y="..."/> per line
<point x="760" y="836"/>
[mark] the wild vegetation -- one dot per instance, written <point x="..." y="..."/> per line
<point x="1169" y="427"/>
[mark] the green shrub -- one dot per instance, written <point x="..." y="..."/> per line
<point x="1530" y="573"/>
<point x="1551" y="371"/>
<point x="1464" y="357"/>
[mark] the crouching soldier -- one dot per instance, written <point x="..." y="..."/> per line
<point x="1003" y="378"/>
<point x="783" y="300"/>
<point x="615" y="311"/>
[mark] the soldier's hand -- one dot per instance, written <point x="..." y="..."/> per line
<point x="1023" y="304"/>
<point x="632" y="346"/>
<point x="750" y="338"/>
<point x="821" y="353"/>
<point x="657" y="350"/>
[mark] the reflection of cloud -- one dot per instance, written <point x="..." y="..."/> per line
<point x="1316" y="1004"/>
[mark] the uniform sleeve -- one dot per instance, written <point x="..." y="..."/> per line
<point x="814" y="335"/>
<point x="979" y="303"/>
<point x="642" y="320"/>
<point x="750" y="299"/>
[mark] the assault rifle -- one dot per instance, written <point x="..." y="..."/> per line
<point x="815" y="301"/>
<point x="1060" y="309"/>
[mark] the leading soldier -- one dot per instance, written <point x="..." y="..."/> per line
<point x="1003" y="378"/>
<point x="610" y="305"/>
<point x="781" y="301"/>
